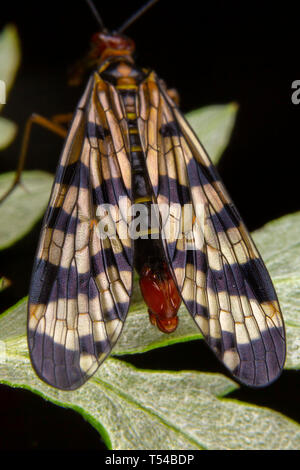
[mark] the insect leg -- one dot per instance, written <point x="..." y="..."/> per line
<point x="54" y="125"/>
<point x="62" y="118"/>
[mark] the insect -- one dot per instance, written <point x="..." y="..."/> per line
<point x="129" y="145"/>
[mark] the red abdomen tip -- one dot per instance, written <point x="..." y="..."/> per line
<point x="161" y="295"/>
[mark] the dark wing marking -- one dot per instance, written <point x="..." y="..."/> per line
<point x="81" y="284"/>
<point x="218" y="270"/>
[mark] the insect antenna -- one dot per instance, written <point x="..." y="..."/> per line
<point x="95" y="13"/>
<point x="136" y="15"/>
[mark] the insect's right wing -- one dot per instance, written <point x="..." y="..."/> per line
<point x="216" y="266"/>
<point x="81" y="283"/>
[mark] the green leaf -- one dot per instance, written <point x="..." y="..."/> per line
<point x="10" y="55"/>
<point x="142" y="409"/>
<point x="213" y="126"/>
<point x="24" y="206"/>
<point x="279" y="245"/>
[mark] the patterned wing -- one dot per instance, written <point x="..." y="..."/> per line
<point x="81" y="283"/>
<point x="217" y="268"/>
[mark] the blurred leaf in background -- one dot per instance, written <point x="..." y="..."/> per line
<point x="24" y="206"/>
<point x="10" y="58"/>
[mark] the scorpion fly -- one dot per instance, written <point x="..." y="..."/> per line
<point x="129" y="146"/>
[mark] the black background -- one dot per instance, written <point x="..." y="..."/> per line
<point x="212" y="52"/>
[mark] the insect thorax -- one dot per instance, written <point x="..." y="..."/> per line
<point x="122" y="72"/>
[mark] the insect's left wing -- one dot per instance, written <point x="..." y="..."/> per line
<point x="216" y="266"/>
<point x="81" y="283"/>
